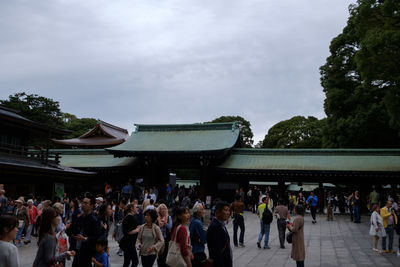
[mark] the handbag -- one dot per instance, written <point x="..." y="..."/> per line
<point x="174" y="256"/>
<point x="62" y="242"/>
<point x="289" y="237"/>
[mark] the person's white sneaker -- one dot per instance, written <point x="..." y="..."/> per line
<point x="398" y="253"/>
<point x="376" y="250"/>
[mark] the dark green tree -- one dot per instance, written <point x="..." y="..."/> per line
<point x="361" y="78"/>
<point x="297" y="132"/>
<point x="247" y="134"/>
<point x="78" y="126"/>
<point x="36" y="108"/>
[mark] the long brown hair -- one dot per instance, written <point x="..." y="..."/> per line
<point x="45" y="224"/>
<point x="178" y="212"/>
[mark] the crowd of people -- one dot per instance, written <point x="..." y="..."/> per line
<point x="171" y="230"/>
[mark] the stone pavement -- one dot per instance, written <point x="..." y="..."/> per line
<point x="333" y="243"/>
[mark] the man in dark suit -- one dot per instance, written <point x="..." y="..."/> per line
<point x="219" y="248"/>
<point x="86" y="232"/>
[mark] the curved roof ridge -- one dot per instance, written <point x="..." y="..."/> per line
<point x="186" y="127"/>
<point x="113" y="126"/>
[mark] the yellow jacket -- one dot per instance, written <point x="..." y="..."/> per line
<point x="385" y="214"/>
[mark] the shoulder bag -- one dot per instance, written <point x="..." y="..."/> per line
<point x="174" y="256"/>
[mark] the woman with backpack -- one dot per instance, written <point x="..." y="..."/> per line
<point x="150" y="239"/>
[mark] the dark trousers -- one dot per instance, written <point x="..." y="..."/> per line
<point x="162" y="258"/>
<point x="281" y="223"/>
<point x="130" y="255"/>
<point x="82" y="259"/>
<point x="299" y="263"/>
<point x="238" y="222"/>
<point x="148" y="261"/>
<point x="313" y="212"/>
<point x="357" y="215"/>
<point x="390" y="234"/>
<point x="254" y="206"/>
<point x="351" y="213"/>
<point x="198" y="260"/>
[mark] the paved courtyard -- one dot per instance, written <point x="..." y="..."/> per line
<point x="333" y="243"/>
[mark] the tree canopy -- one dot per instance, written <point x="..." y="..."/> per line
<point x="361" y="78"/>
<point x="36" y="108"/>
<point x="47" y="111"/>
<point x="247" y="134"/>
<point x="297" y="132"/>
<point x="78" y="126"/>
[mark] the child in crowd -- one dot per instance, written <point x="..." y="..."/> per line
<point x="101" y="259"/>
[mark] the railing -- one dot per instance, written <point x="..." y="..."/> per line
<point x="40" y="154"/>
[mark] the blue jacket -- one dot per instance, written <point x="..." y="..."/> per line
<point x="197" y="235"/>
<point x="313" y="200"/>
<point x="219" y="247"/>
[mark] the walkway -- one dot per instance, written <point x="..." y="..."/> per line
<point x="333" y="243"/>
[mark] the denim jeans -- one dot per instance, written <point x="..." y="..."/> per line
<point x="264" y="231"/>
<point x="357" y="216"/>
<point x="20" y="231"/>
<point x="389" y="233"/>
<point x="238" y="222"/>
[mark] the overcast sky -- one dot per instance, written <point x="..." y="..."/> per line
<point x="171" y="61"/>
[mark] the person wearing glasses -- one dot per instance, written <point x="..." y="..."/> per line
<point x="86" y="232"/>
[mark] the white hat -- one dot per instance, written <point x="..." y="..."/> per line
<point x="100" y="198"/>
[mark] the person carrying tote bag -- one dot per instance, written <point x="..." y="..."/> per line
<point x="179" y="251"/>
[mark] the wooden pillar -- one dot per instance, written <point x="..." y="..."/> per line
<point x="156" y="175"/>
<point x="208" y="183"/>
<point x="281" y="189"/>
<point x="321" y="197"/>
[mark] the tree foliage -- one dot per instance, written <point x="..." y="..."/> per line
<point x="78" y="126"/>
<point x="47" y="111"/>
<point x="361" y="78"/>
<point x="297" y="132"/>
<point x="247" y="134"/>
<point x="36" y="108"/>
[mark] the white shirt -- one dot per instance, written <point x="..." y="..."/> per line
<point x="8" y="255"/>
<point x="150" y="207"/>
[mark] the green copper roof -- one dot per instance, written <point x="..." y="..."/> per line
<point x="184" y="138"/>
<point x="91" y="158"/>
<point x="380" y="160"/>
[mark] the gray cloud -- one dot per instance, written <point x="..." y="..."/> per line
<point x="173" y="61"/>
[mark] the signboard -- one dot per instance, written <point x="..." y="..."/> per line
<point x="59" y="189"/>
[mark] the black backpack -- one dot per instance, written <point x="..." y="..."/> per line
<point x="267" y="216"/>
